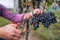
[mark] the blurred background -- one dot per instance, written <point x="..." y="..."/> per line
<point x="22" y="6"/>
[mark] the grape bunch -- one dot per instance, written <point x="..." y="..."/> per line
<point x="46" y="19"/>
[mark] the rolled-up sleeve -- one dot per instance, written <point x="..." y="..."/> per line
<point x="10" y="16"/>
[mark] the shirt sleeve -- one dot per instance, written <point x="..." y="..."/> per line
<point x="11" y="16"/>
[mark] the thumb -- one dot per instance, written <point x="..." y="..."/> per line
<point x="15" y="25"/>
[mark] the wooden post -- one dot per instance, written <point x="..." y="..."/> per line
<point x="27" y="27"/>
<point x="16" y="8"/>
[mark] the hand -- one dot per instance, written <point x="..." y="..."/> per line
<point x="8" y="32"/>
<point x="37" y="11"/>
<point x="30" y="14"/>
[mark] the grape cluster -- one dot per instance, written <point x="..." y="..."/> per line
<point x="46" y="19"/>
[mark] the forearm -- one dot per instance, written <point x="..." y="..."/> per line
<point x="12" y="16"/>
<point x="9" y="15"/>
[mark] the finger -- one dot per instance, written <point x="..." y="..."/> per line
<point x="16" y="35"/>
<point x="13" y="25"/>
<point x="16" y="25"/>
<point x="41" y="12"/>
<point x="21" y="31"/>
<point x="18" y="31"/>
<point x="14" y="38"/>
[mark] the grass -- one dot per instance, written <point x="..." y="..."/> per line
<point x="4" y="21"/>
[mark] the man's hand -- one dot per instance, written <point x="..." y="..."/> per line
<point x="8" y="32"/>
